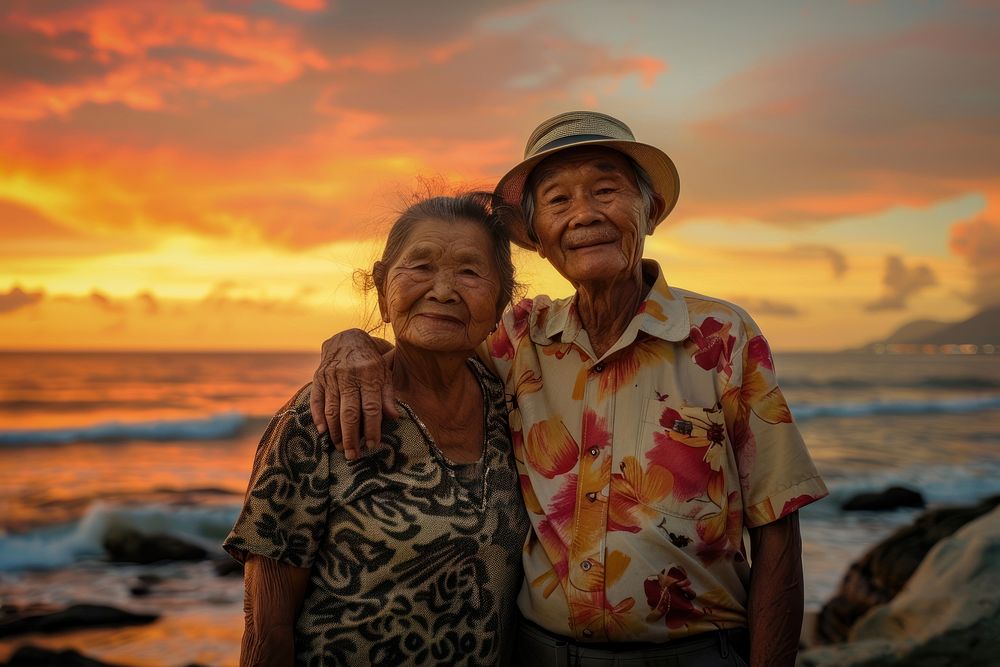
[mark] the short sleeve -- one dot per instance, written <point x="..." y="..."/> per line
<point x="777" y="475"/>
<point x="284" y="515"/>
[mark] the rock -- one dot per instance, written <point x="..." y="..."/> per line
<point x="947" y="614"/>
<point x="34" y="656"/>
<point x="127" y="545"/>
<point x="881" y="573"/>
<point x="71" y="618"/>
<point x="890" y="499"/>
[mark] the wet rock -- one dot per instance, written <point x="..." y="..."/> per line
<point x="70" y="618"/>
<point x="34" y="656"/>
<point x="127" y="545"/>
<point x="947" y="614"/>
<point x="140" y="590"/>
<point x="892" y="498"/>
<point x="881" y="573"/>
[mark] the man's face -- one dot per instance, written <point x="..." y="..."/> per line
<point x="589" y="215"/>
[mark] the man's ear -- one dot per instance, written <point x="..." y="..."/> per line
<point x="658" y="205"/>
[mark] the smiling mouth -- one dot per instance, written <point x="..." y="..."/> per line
<point x="589" y="240"/>
<point x="441" y="317"/>
<point x="589" y="243"/>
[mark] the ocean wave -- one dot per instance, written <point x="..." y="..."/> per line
<point x="60" y="546"/>
<point x="214" y="427"/>
<point x="806" y="411"/>
<point x="940" y="485"/>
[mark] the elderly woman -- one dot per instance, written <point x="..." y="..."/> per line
<point x="648" y="427"/>
<point x="411" y="554"/>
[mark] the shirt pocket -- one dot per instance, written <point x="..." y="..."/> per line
<point x="684" y="451"/>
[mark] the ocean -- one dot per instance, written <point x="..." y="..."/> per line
<point x="163" y="442"/>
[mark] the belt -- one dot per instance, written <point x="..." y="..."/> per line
<point x="536" y="646"/>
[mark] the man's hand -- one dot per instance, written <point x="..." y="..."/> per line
<point x="352" y="388"/>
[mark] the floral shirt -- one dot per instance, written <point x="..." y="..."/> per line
<point x="640" y="469"/>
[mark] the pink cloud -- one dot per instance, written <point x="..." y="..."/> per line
<point x="848" y="129"/>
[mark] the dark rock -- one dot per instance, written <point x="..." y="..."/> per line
<point x="892" y="498"/>
<point x="881" y="573"/>
<point x="71" y="618"/>
<point x="34" y="656"/>
<point x="127" y="545"/>
<point x="140" y="590"/>
<point x="229" y="568"/>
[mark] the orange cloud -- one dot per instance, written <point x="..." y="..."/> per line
<point x="16" y="298"/>
<point x="977" y="241"/>
<point x="143" y="54"/>
<point x="305" y="5"/>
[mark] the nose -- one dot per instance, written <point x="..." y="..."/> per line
<point x="443" y="287"/>
<point x="584" y="211"/>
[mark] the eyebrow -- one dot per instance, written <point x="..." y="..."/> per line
<point x="421" y="252"/>
<point x="549" y="172"/>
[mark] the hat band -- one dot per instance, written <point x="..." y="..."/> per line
<point x="573" y="139"/>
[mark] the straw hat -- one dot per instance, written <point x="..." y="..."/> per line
<point x="586" y="128"/>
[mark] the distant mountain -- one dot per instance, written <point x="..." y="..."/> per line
<point x="917" y="330"/>
<point x="983" y="328"/>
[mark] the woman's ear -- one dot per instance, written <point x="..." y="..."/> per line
<point x="378" y="278"/>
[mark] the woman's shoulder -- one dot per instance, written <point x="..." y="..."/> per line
<point x="292" y="421"/>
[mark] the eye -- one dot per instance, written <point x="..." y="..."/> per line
<point x="468" y="271"/>
<point x="558" y="199"/>
<point x="606" y="191"/>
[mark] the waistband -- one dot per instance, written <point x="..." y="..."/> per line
<point x="721" y="643"/>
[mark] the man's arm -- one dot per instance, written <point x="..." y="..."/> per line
<point x="273" y="599"/>
<point x="776" y="592"/>
<point x="352" y="387"/>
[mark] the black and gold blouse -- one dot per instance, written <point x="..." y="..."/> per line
<point x="415" y="560"/>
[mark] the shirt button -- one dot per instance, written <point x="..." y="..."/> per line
<point x="592" y="496"/>
<point x="594" y="451"/>
<point x="588" y="633"/>
<point x="585" y="566"/>
<point x="598" y="367"/>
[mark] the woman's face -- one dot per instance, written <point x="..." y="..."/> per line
<point x="441" y="294"/>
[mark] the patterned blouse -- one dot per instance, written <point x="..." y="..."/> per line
<point x="641" y="469"/>
<point x="415" y="560"/>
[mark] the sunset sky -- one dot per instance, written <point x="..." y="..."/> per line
<point x="207" y="174"/>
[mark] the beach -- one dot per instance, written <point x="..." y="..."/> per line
<point x="163" y="442"/>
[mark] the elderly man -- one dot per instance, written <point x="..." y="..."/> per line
<point x="647" y="423"/>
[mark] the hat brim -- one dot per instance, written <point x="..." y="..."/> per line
<point x="659" y="166"/>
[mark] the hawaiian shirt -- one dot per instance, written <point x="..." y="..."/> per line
<point x="641" y="469"/>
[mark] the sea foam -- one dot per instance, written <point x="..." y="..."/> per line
<point x="214" y="427"/>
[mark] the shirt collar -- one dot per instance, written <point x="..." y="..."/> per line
<point x="662" y="314"/>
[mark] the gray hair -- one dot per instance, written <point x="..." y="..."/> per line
<point x="642" y="179"/>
